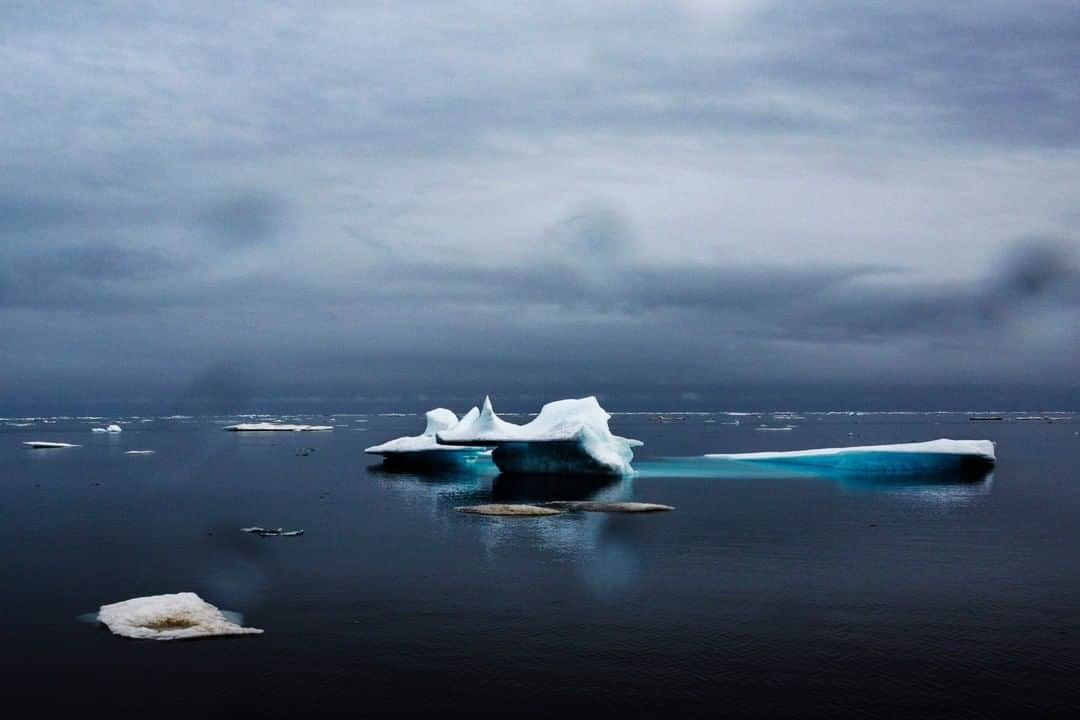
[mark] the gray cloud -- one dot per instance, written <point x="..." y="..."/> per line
<point x="625" y="192"/>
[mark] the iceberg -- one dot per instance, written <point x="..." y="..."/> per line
<point x="276" y="427"/>
<point x="44" y="445"/>
<point x="424" y="451"/>
<point x="114" y="428"/>
<point x="568" y="436"/>
<point x="179" y="616"/>
<point x="972" y="457"/>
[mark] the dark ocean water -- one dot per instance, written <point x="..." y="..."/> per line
<point x="764" y="596"/>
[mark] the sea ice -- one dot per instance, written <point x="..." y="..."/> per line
<point x="114" y="428"/>
<point x="509" y="510"/>
<point x="272" y="532"/>
<point x="179" y="616"/>
<point x="935" y="456"/>
<point x="44" y="445"/>
<point x="568" y="436"/>
<point x="424" y="450"/>
<point x="139" y="452"/>
<point x="276" y="427"/>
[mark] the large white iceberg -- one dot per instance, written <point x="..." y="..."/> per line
<point x="935" y="456"/>
<point x="178" y="616"/>
<point x="568" y="436"/>
<point x="424" y="450"/>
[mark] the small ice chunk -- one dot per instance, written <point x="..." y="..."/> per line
<point x="509" y="510"/>
<point x="45" y="445"/>
<point x="272" y="532"/>
<point x="568" y="436"/>
<point x="178" y="616"/>
<point x="276" y="427"/>
<point x="114" y="428"/>
<point x="139" y="452"/>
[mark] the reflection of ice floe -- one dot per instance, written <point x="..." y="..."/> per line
<point x="45" y="445"/>
<point x="276" y="427"/>
<point x="178" y="616"/>
<point x="924" y="490"/>
<point x="935" y="456"/>
<point x="114" y="428"/>
<point x="568" y="436"/>
<point x="424" y="451"/>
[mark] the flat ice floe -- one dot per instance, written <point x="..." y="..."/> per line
<point x="568" y="436"/>
<point x="139" y="452"/>
<point x="276" y="427"/>
<point x="509" y="510"/>
<point x="178" y="616"/>
<point x="935" y="456"/>
<point x="424" y="450"/>
<point x="44" y="445"/>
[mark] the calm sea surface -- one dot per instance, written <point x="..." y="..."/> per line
<point x="756" y="596"/>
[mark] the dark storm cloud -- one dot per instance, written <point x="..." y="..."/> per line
<point x="637" y="192"/>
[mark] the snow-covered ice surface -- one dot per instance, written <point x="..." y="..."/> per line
<point x="276" y="427"/>
<point x="934" y="456"/>
<point x="424" y="450"/>
<point x="568" y="436"/>
<point x="178" y="616"/>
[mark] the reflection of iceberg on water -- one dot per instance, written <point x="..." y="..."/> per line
<point x="568" y="436"/>
<point x="963" y="458"/>
<point x="424" y="451"/>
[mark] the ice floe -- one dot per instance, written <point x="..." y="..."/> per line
<point x="139" y="452"/>
<point x="114" y="428"/>
<point x="276" y="427"/>
<point x="177" y="616"/>
<point x="568" y="436"/>
<point x="424" y="450"/>
<point x="610" y="507"/>
<point x="272" y="532"/>
<point x="935" y="456"/>
<point x="509" y="510"/>
<point x="44" y="445"/>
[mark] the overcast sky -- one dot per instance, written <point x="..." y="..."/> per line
<point x="349" y="201"/>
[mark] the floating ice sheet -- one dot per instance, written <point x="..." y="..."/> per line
<point x="935" y="456"/>
<point x="178" y="616"/>
<point x="276" y="427"/>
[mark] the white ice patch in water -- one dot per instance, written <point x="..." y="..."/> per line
<point x="139" y="452"/>
<point x="178" y="616"/>
<point x="567" y="436"/>
<point x="44" y="445"/>
<point x="276" y="427"/>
